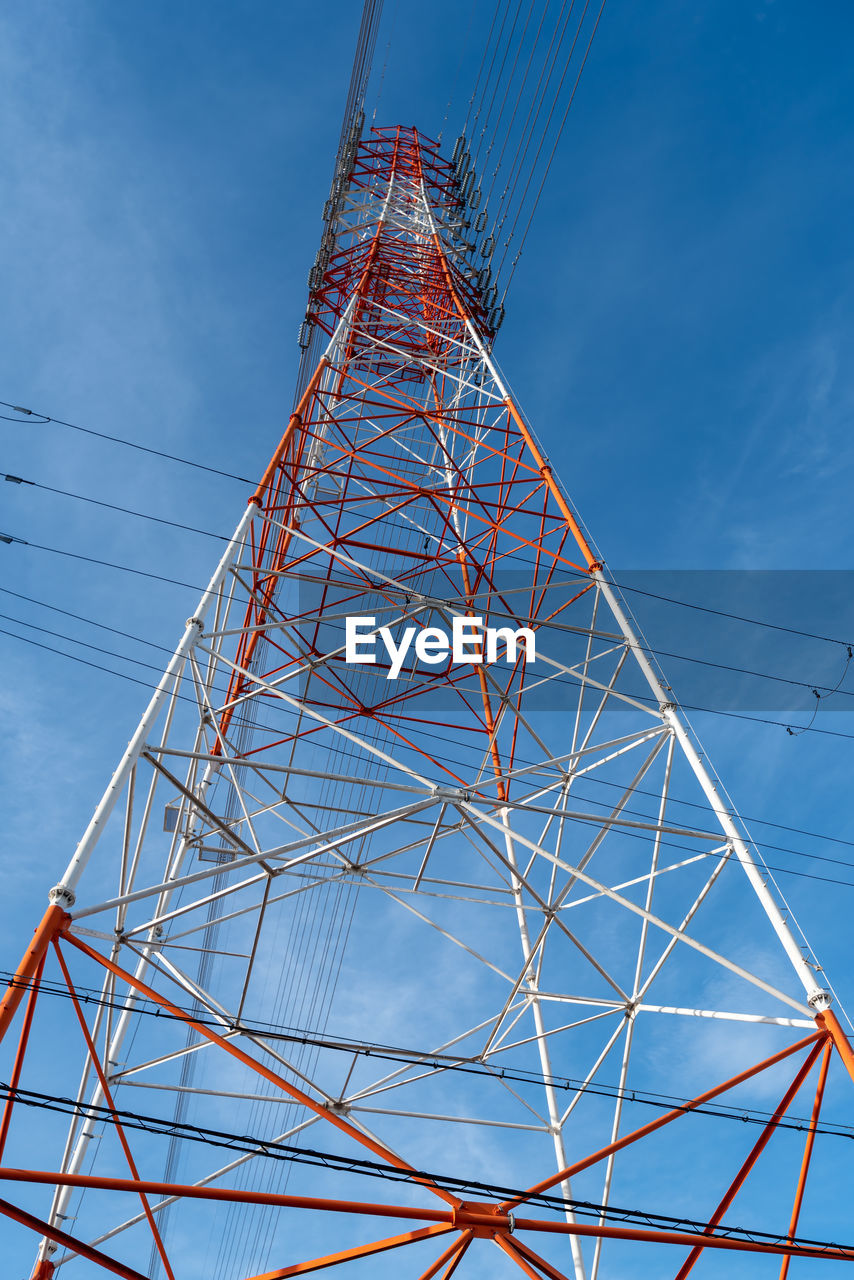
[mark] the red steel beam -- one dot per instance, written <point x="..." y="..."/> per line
<point x="451" y="1255"/>
<point x="808" y="1146"/>
<point x="465" y="1241"/>
<point x="19" y="1055"/>
<point x="360" y="1251"/>
<point x="667" y="1118"/>
<point x="487" y="1222"/>
<point x="527" y="1259"/>
<point x="297" y="1094"/>
<point x="78" y="1247"/>
<point x="52" y="922"/>
<point x="753" y="1155"/>
<point x="108" y="1098"/>
<point x="828" y="1020"/>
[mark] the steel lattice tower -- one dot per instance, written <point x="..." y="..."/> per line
<point x="352" y="926"/>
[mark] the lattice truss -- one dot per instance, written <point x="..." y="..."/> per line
<point x="458" y="926"/>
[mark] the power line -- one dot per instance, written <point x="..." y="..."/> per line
<point x="764" y="844"/>
<point x="389" y="1173"/>
<point x="461" y="763"/>
<point x="106" y="564"/>
<point x="735" y="617"/>
<point x="122" y="675"/>
<point x="751" y="719"/>
<point x="623" y="586"/>
<point x="441" y="1062"/>
<point x="555" y="145"/>
<point x="112" y="506"/>
<point x="60" y="635"/>
<point x="805" y="875"/>
<point x="41" y="419"/>
<point x="813" y="686"/>
<point x="79" y="617"/>
<point x="543" y="133"/>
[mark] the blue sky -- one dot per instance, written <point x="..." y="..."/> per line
<point x="679" y="330"/>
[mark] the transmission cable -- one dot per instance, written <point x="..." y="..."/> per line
<point x="558" y="136"/>
<point x="112" y="506"/>
<point x="752" y="719"/>
<point x="478" y="142"/>
<point x="534" y="109"/>
<point x="623" y="586"/>
<point x="589" y="779"/>
<point x="79" y="617"/>
<point x="483" y="58"/>
<point x="636" y="835"/>
<point x="447" y="1064"/>
<point x="812" y="686"/>
<point x="41" y="419"/>
<point x="509" y="129"/>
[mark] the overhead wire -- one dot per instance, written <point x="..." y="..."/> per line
<point x="557" y="138"/>
<point x="449" y="759"/>
<point x="624" y="586"/>
<point x="530" y="127"/>
<point x="539" y="93"/>
<point x="589" y="779"/>
<point x="443" y="1063"/>
<point x="463" y="46"/>
<point x="42" y="419"/>
<point x="508" y="131"/>
<point x="113" y="506"/>
<point x="673" y="600"/>
<point x="85" y="618"/>
<point x="391" y="1173"/>
<point x="477" y="142"/>
<point x="719" y="711"/>
<point x="813" y="686"/>
<point x="483" y="58"/>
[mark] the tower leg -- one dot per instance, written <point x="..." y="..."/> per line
<point x="828" y="1020"/>
<point x="52" y="923"/>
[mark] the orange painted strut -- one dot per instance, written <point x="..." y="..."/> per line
<point x="52" y="922"/>
<point x="464" y="1242"/>
<point x="829" y="1021"/>
<point x="108" y="1098"/>
<point x="45" y="1270"/>
<point x="449" y="1255"/>
<point x="546" y="472"/>
<point x="360" y="1251"/>
<point x="524" y="1258"/>
<point x="754" y="1154"/>
<point x="376" y="1147"/>
<point x="669" y="1116"/>
<point x="808" y="1146"/>
<point x="294" y="421"/>
<point x="20" y="1055"/>
<point x="489" y="1222"/>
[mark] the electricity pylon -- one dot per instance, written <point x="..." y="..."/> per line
<point x="444" y="926"/>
